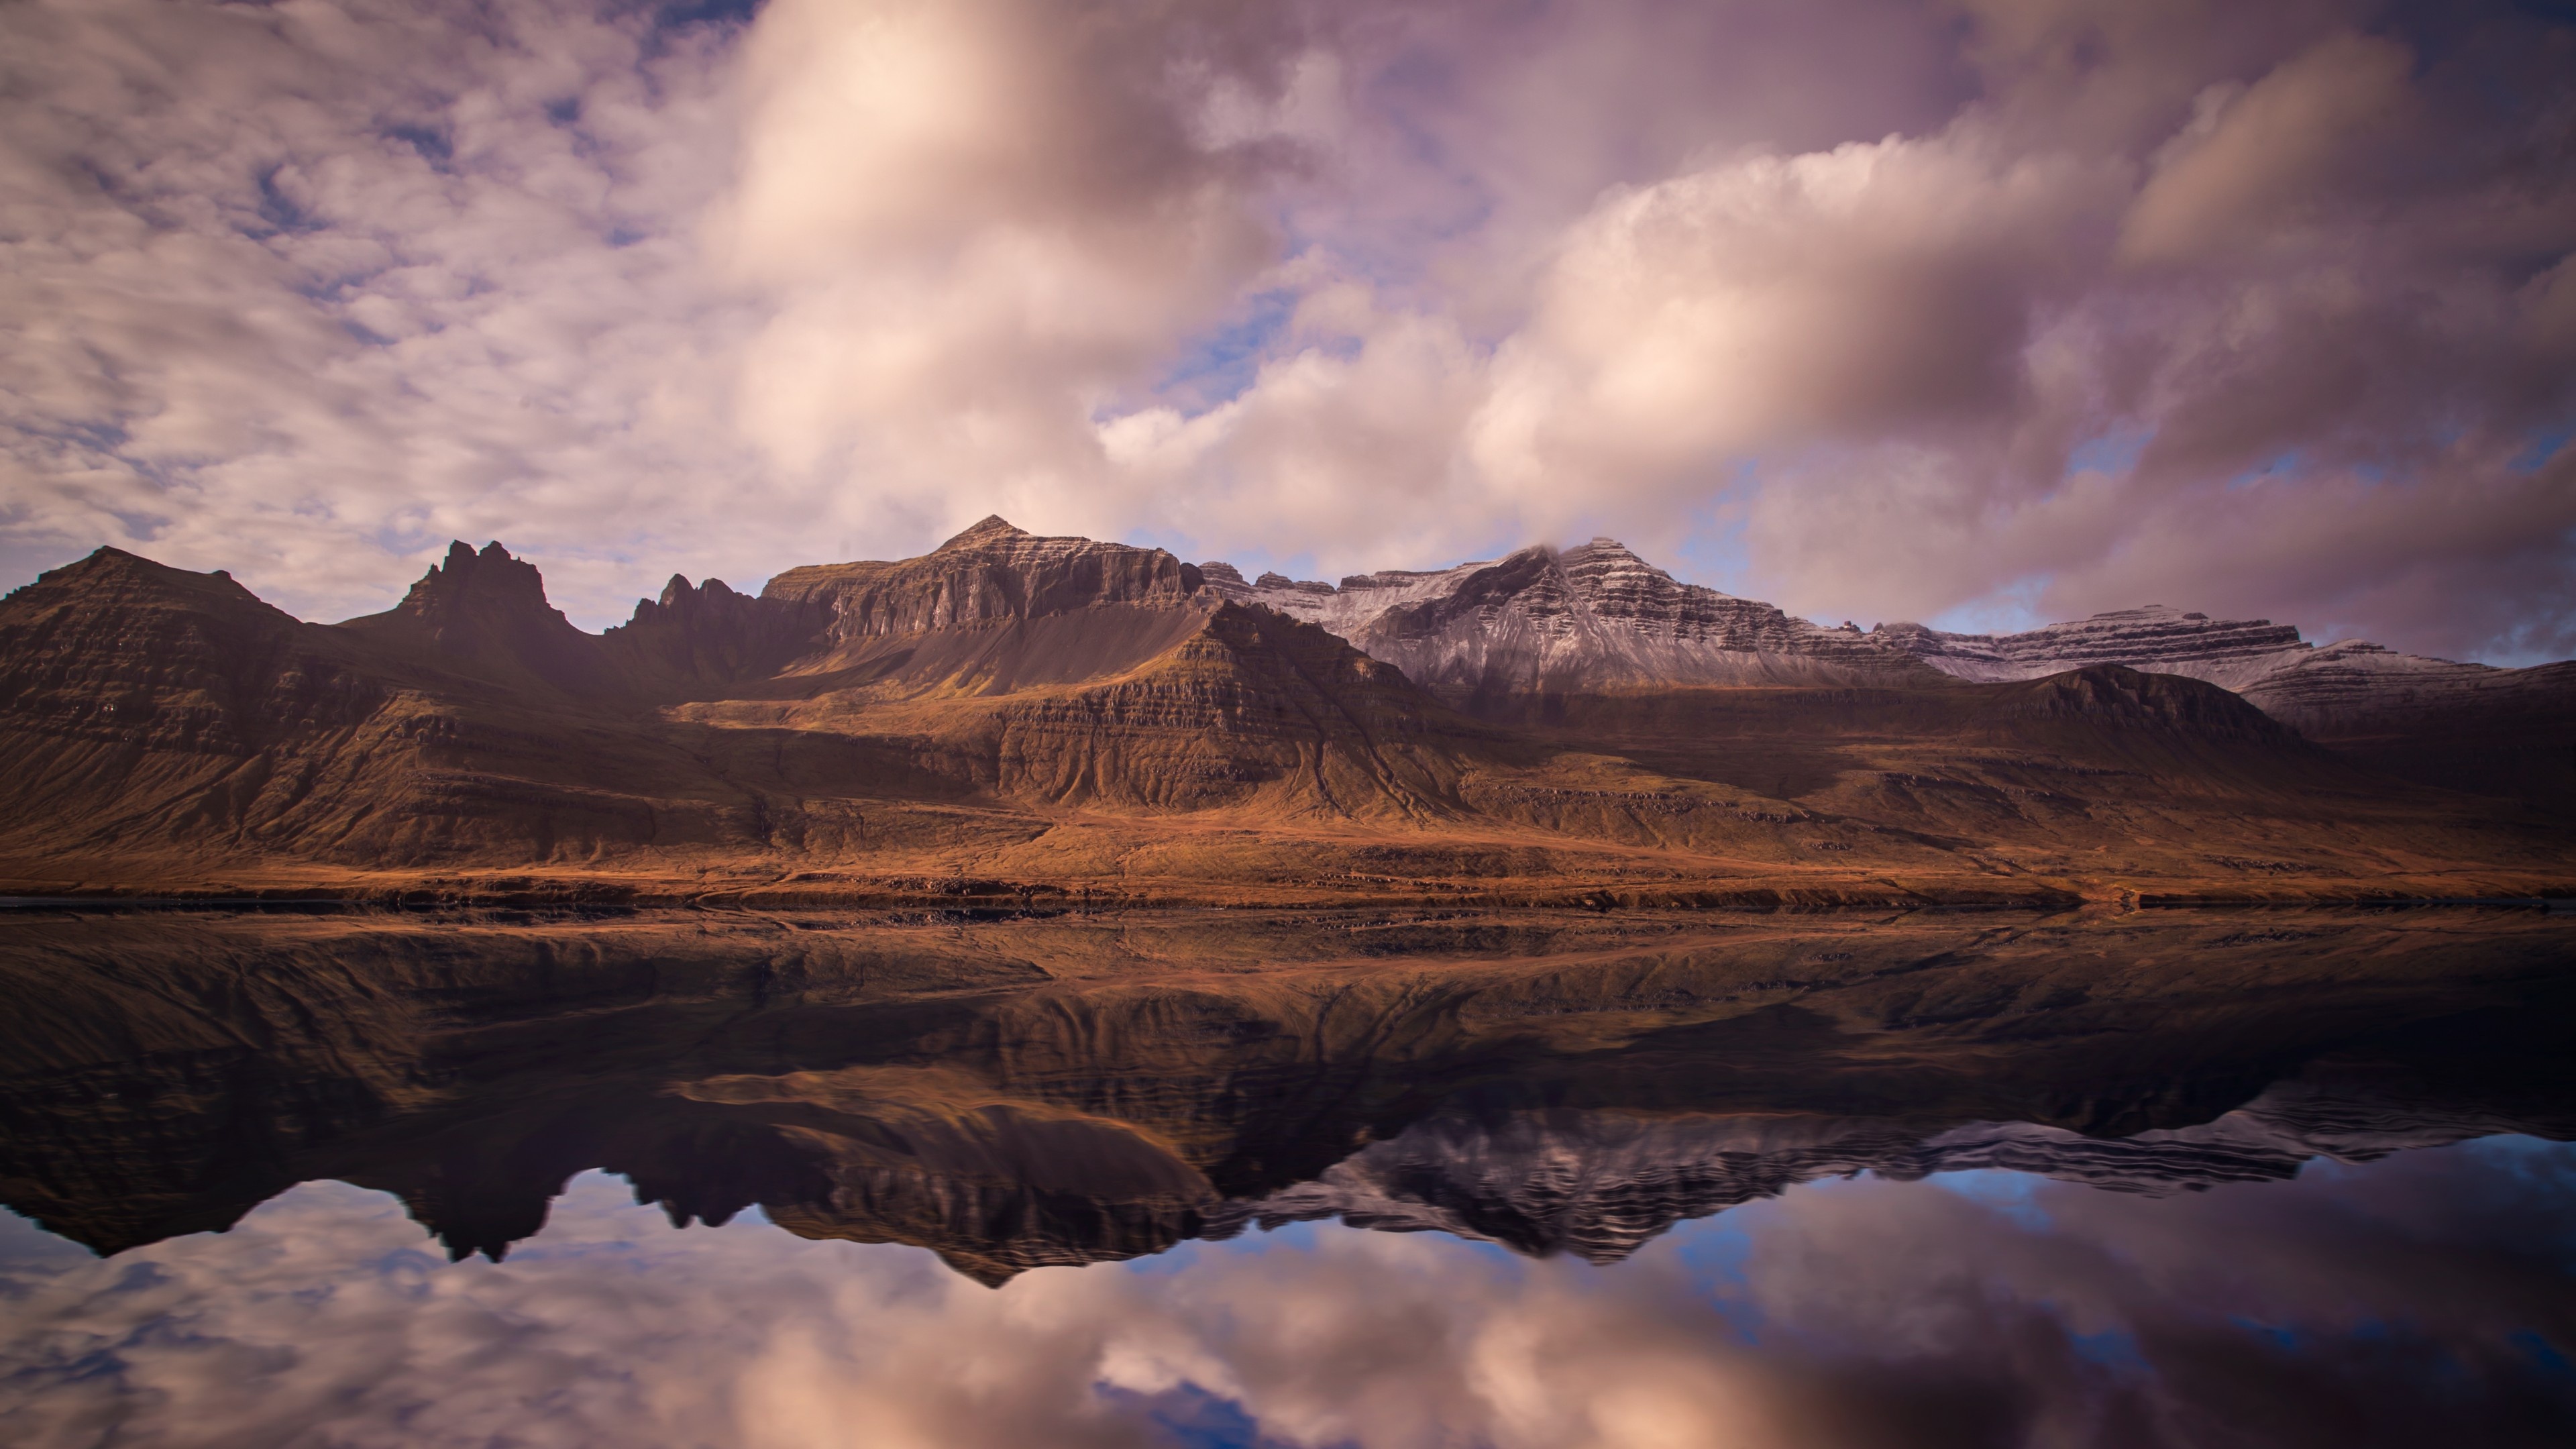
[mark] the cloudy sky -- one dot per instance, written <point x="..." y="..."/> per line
<point x="1982" y="312"/>
<point x="2410" y="1301"/>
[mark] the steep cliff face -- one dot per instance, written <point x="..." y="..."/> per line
<point x="164" y="708"/>
<point x="1072" y="673"/>
<point x="162" y="715"/>
<point x="972" y="704"/>
<point x="990" y="573"/>
<point x="1586" y="619"/>
<point x="990" y="612"/>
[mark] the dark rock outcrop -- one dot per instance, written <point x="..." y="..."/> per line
<point x="1255" y="711"/>
<point x="702" y="641"/>
<point x="487" y="614"/>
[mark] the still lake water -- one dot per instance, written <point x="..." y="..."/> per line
<point x="2284" y="1179"/>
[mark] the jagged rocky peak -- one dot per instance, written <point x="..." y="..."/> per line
<point x="488" y="611"/>
<point x="708" y="633"/>
<point x="679" y="594"/>
<point x="471" y="590"/>
<point x="490" y="580"/>
<point x="2155" y="637"/>
<point x="989" y="531"/>
<point x="687" y="606"/>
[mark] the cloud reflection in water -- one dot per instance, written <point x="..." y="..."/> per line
<point x="2424" y="1298"/>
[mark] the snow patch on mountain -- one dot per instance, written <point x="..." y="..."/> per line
<point x="2230" y="653"/>
<point x="1592" y="617"/>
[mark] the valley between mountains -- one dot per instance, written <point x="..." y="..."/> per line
<point x="1020" y="723"/>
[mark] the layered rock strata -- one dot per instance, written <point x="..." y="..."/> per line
<point x="992" y="573"/>
<point x="944" y="708"/>
<point x="2460" y="726"/>
<point x="1586" y="619"/>
<point x="2227" y="652"/>
<point x="155" y="713"/>
<point x="1493" y="636"/>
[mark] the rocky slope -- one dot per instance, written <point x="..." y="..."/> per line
<point x="991" y="611"/>
<point x="2509" y="733"/>
<point x="2467" y="727"/>
<point x="168" y="716"/>
<point x="1492" y="637"/>
<point x="905" y="714"/>
<point x="1072" y="713"/>
<point x="1586" y="619"/>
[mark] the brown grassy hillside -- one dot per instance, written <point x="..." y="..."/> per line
<point x="1018" y="718"/>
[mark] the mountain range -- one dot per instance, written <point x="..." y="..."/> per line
<point x="1597" y="617"/>
<point x="1013" y="718"/>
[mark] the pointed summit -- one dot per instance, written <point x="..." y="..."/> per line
<point x="112" y="574"/>
<point x="489" y="608"/>
<point x="993" y="529"/>
<point x="492" y="579"/>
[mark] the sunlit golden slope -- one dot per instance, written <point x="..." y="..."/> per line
<point x="1012" y="717"/>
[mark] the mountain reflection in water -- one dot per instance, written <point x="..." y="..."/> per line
<point x="1894" y="1135"/>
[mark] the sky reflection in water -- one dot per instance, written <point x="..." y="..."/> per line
<point x="2419" y="1299"/>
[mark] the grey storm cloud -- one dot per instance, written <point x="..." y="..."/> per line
<point x="1922" y="307"/>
